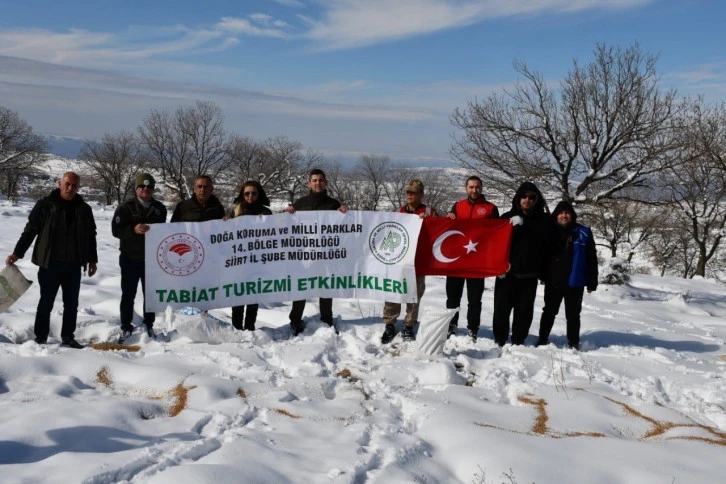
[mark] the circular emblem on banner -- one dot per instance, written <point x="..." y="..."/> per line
<point x="180" y="254"/>
<point x="389" y="242"/>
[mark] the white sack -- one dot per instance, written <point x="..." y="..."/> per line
<point x="200" y="328"/>
<point x="433" y="330"/>
<point x="13" y="284"/>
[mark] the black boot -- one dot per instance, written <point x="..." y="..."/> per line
<point x="70" y="342"/>
<point x="408" y="334"/>
<point x="452" y="329"/>
<point x="296" y="327"/>
<point x="388" y="334"/>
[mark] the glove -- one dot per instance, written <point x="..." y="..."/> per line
<point x="516" y="220"/>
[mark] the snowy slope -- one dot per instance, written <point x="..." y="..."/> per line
<point x="643" y="402"/>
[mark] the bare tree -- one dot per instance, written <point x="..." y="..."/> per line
<point x="440" y="189"/>
<point x="113" y="161"/>
<point x="285" y="156"/>
<point x="373" y="172"/>
<point x="697" y="186"/>
<point x="186" y="144"/>
<point x="21" y="149"/>
<point x="607" y="128"/>
<point x="291" y="165"/>
<point x="249" y="160"/>
<point x="341" y="184"/>
<point x="671" y="248"/>
<point x="623" y="224"/>
<point x="394" y="188"/>
<point x="711" y="135"/>
<point x="662" y="250"/>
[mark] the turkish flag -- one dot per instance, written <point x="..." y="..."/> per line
<point x="463" y="247"/>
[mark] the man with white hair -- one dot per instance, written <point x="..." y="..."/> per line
<point x="66" y="242"/>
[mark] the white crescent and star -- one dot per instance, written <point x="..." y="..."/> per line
<point x="436" y="248"/>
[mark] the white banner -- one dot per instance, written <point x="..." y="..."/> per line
<point x="282" y="257"/>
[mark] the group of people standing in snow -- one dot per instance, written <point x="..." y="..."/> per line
<point x="552" y="248"/>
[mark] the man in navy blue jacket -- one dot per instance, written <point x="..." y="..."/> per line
<point x="573" y="268"/>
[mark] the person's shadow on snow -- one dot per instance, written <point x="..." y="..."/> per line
<point x="601" y="339"/>
<point x="82" y="439"/>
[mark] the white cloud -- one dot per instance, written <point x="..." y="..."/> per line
<point x="244" y="26"/>
<point x="707" y="79"/>
<point x="290" y="3"/>
<point x="261" y="18"/>
<point x="352" y="23"/>
<point x="137" y="45"/>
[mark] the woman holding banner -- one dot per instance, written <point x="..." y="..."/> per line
<point x="252" y="200"/>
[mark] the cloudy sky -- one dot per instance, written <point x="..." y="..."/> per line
<point x="342" y="76"/>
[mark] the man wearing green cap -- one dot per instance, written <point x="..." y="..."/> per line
<point x="130" y="223"/>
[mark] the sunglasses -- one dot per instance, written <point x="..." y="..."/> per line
<point x="250" y="194"/>
<point x="531" y="196"/>
<point x="145" y="186"/>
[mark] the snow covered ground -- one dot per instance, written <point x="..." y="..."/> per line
<point x="643" y="402"/>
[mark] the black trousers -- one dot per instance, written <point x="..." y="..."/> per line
<point x="553" y="297"/>
<point x="474" y="290"/>
<point x="326" y="311"/>
<point x="65" y="275"/>
<point x="132" y="271"/>
<point x="513" y="294"/>
<point x="238" y="315"/>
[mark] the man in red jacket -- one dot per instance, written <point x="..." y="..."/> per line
<point x="473" y="206"/>
<point x="391" y="311"/>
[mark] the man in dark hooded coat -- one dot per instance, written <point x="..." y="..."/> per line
<point x="529" y="253"/>
<point x="573" y="267"/>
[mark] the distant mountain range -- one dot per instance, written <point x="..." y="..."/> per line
<point x="64" y="146"/>
<point x="69" y="146"/>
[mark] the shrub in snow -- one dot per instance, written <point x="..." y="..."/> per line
<point x="615" y="271"/>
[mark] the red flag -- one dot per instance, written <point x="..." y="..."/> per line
<point x="463" y="247"/>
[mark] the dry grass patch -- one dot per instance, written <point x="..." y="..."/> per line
<point x="345" y="373"/>
<point x="539" y="426"/>
<point x="659" y="427"/>
<point x="177" y="396"/>
<point x="115" y="347"/>
<point x="284" y="412"/>
<point x="241" y="392"/>
<point x="103" y="377"/>
<point x="540" y="423"/>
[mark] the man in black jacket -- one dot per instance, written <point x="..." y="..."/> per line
<point x="201" y="207"/>
<point x="317" y="199"/>
<point x="66" y="242"/>
<point x="516" y="290"/>
<point x="130" y="223"/>
<point x="572" y="268"/>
